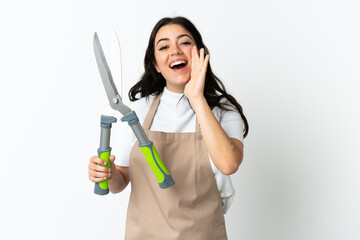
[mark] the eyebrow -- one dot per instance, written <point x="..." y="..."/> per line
<point x="180" y="36"/>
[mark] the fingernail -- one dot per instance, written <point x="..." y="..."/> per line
<point x="109" y="170"/>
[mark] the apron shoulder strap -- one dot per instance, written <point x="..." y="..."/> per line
<point x="151" y="113"/>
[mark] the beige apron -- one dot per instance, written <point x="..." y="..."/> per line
<point x="189" y="210"/>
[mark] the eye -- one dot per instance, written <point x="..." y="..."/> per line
<point x="163" y="48"/>
<point x="186" y="43"/>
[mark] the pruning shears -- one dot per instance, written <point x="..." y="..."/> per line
<point x="129" y="116"/>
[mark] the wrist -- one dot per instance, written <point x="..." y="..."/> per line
<point x="197" y="103"/>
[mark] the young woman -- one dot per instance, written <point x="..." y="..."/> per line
<point x="197" y="128"/>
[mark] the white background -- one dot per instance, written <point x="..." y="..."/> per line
<point x="294" y="66"/>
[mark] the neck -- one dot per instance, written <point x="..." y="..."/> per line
<point x="175" y="89"/>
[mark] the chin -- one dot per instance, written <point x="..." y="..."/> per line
<point x="181" y="83"/>
<point x="182" y="80"/>
<point x="178" y="81"/>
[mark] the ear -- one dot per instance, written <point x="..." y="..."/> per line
<point x="156" y="67"/>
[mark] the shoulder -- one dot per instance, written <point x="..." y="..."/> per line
<point x="230" y="120"/>
<point x="220" y="114"/>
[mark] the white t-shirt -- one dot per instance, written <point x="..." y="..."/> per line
<point x="174" y="114"/>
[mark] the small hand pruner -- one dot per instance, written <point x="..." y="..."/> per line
<point x="147" y="147"/>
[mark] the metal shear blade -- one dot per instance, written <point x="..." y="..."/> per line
<point x="107" y="79"/>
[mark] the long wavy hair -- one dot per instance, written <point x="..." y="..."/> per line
<point x="152" y="82"/>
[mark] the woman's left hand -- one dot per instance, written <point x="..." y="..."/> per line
<point x="194" y="89"/>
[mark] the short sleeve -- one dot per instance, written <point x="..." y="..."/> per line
<point x="231" y="122"/>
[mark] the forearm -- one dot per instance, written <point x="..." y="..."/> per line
<point x="119" y="182"/>
<point x="226" y="153"/>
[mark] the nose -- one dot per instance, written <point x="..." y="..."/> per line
<point x="176" y="51"/>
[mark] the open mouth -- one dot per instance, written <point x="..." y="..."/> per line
<point x="178" y="64"/>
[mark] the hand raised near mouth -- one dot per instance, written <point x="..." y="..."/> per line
<point x="194" y="89"/>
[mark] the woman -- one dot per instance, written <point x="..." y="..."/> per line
<point x="197" y="130"/>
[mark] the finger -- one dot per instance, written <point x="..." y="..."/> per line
<point x="201" y="58"/>
<point x="112" y="158"/>
<point x="113" y="167"/>
<point x="98" y="168"/>
<point x="192" y="60"/>
<point x="96" y="180"/>
<point x="98" y="160"/>
<point x="195" y="52"/>
<point x="98" y="174"/>
<point x="206" y="62"/>
<point x="195" y="56"/>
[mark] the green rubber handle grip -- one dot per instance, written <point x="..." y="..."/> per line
<point x="102" y="188"/>
<point x="158" y="167"/>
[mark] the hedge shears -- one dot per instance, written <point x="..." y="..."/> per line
<point x="129" y="116"/>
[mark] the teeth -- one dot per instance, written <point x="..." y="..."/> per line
<point x="177" y="63"/>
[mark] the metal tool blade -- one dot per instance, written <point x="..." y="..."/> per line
<point x="105" y="73"/>
<point x="115" y="62"/>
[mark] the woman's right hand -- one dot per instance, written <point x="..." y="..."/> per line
<point x="98" y="173"/>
